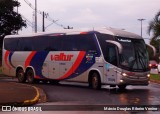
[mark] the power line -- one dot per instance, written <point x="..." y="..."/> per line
<point x="28" y="21"/>
<point x="41" y="13"/>
<point x="29" y="4"/>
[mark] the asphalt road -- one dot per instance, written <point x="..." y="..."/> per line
<point x="77" y="92"/>
<point x="73" y="94"/>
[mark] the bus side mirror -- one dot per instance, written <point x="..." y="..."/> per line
<point x="153" y="48"/>
<point x="120" y="48"/>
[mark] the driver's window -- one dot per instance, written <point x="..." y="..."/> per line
<point x="111" y="55"/>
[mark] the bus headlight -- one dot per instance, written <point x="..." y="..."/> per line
<point x="124" y="74"/>
<point x="148" y="75"/>
<point x="121" y="81"/>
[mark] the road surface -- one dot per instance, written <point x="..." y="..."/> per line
<point x="77" y="94"/>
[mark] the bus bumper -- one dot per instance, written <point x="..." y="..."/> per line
<point x="128" y="81"/>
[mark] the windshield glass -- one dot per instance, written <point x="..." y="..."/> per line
<point x="134" y="56"/>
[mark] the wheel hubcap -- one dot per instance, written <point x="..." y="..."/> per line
<point x="94" y="82"/>
<point x="30" y="76"/>
<point x="20" y="75"/>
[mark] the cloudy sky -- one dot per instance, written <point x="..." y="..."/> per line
<point x="122" y="14"/>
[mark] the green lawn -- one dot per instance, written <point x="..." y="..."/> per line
<point x="155" y="77"/>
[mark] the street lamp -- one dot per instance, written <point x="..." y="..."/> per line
<point x="141" y="24"/>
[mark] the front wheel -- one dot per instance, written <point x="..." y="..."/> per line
<point x="30" y="76"/>
<point x="94" y="81"/>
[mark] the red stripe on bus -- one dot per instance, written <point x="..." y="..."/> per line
<point x="6" y="59"/>
<point x="84" y="33"/>
<point x="38" y="77"/>
<point x="28" y="60"/>
<point x="75" y="65"/>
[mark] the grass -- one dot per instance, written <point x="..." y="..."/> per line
<point x="155" y="77"/>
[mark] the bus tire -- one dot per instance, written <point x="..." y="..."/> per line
<point x="20" y="76"/>
<point x="30" y="76"/>
<point x="94" y="81"/>
<point x="122" y="87"/>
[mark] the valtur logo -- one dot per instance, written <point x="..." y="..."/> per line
<point x="61" y="57"/>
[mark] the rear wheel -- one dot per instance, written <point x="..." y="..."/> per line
<point x="20" y="75"/>
<point x="30" y="76"/>
<point x="94" y="81"/>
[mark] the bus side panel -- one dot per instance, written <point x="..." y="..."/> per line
<point x="110" y="74"/>
<point x="63" y="64"/>
<point x="69" y="65"/>
<point x="11" y="60"/>
<point x="19" y="59"/>
<point x="5" y="63"/>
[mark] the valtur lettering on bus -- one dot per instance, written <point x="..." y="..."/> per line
<point x="61" y="57"/>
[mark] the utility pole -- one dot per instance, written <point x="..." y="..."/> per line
<point x="35" y="16"/>
<point x="141" y="24"/>
<point x="44" y="15"/>
<point x="43" y="28"/>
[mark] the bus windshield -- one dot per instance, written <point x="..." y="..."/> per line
<point x="134" y="56"/>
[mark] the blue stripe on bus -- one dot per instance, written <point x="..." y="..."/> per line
<point x="10" y="56"/>
<point x="84" y="66"/>
<point x="37" y="62"/>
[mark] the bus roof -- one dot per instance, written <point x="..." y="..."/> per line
<point x="110" y="31"/>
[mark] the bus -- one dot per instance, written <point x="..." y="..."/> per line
<point x="98" y="57"/>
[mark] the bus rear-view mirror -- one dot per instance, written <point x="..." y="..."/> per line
<point x="153" y="49"/>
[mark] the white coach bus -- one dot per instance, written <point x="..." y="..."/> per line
<point x="105" y="56"/>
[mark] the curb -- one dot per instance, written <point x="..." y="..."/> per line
<point x="26" y="102"/>
<point x="34" y="100"/>
<point x="155" y="81"/>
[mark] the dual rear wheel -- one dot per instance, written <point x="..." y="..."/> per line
<point x="23" y="77"/>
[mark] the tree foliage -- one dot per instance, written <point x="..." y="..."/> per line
<point x="154" y="26"/>
<point x="10" y="20"/>
<point x="156" y="44"/>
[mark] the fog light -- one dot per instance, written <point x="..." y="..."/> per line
<point x="121" y="81"/>
<point x="148" y="75"/>
<point x="124" y="74"/>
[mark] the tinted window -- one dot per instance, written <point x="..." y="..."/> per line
<point x="73" y="43"/>
<point x="25" y="44"/>
<point x="10" y="43"/>
<point x="53" y="43"/>
<point x="85" y="42"/>
<point x="102" y="40"/>
<point x="111" y="55"/>
<point x="40" y="43"/>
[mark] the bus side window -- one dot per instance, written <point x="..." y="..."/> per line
<point x="11" y="44"/>
<point x="111" y="56"/>
<point x="25" y="44"/>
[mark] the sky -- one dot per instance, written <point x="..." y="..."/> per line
<point x="121" y="14"/>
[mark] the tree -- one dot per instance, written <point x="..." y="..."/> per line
<point x="156" y="44"/>
<point x="10" y="21"/>
<point x="154" y="26"/>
